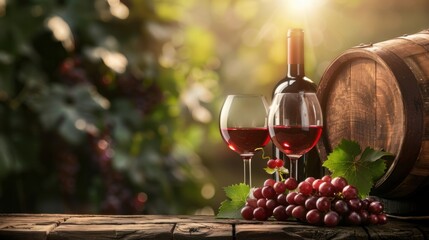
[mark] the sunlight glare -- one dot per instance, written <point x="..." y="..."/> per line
<point x="300" y="7"/>
<point x="2" y="7"/>
<point x="118" y="9"/>
<point x="61" y="31"/>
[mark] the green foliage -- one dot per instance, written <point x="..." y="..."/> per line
<point x="361" y="169"/>
<point x="107" y="116"/>
<point x="236" y="198"/>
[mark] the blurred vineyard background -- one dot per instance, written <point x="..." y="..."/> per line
<point x="111" y="106"/>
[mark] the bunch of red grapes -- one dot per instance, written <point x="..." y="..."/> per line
<point x="327" y="201"/>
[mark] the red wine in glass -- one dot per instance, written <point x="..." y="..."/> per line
<point x="243" y="126"/>
<point x="245" y="140"/>
<point x="295" y="125"/>
<point x="297" y="139"/>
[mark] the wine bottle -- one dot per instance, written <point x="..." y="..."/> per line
<point x="296" y="81"/>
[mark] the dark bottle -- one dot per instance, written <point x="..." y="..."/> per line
<point x="296" y="81"/>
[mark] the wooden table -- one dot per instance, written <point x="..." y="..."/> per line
<point x="60" y="226"/>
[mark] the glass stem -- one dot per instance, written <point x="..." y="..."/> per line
<point x="247" y="163"/>
<point x="293" y="170"/>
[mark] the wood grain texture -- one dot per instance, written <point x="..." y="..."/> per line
<point x="113" y="230"/>
<point x="297" y="231"/>
<point x="27" y="226"/>
<point x="399" y="230"/>
<point x="339" y="126"/>
<point x="34" y="227"/>
<point x="214" y="231"/>
<point x="378" y="95"/>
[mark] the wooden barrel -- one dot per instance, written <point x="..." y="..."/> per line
<point x="378" y="95"/>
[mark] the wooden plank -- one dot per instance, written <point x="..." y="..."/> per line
<point x="389" y="112"/>
<point x="33" y="227"/>
<point x="10" y="220"/>
<point x="212" y="231"/>
<point x="395" y="230"/>
<point x="424" y="228"/>
<point x="112" y="231"/>
<point x="362" y="101"/>
<point x="133" y="219"/>
<point x="293" y="230"/>
<point x="337" y="108"/>
<point x="118" y="220"/>
<point x="53" y="227"/>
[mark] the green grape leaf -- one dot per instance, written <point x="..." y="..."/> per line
<point x="283" y="170"/>
<point x="270" y="170"/>
<point x="352" y="148"/>
<point x="371" y="155"/>
<point x="230" y="209"/>
<point x="361" y="169"/>
<point x="237" y="195"/>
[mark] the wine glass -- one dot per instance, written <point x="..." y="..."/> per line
<point x="295" y="125"/>
<point x="243" y="126"/>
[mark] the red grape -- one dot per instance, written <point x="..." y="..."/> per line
<point x="271" y="204"/>
<point x="260" y="214"/>
<point x="365" y="204"/>
<point x="354" y="218"/>
<point x="375" y="207"/>
<point x="268" y="192"/>
<point x="299" y="199"/>
<point x="326" y="178"/>
<point x="354" y="204"/>
<point x="290" y="197"/>
<point x="310" y="203"/>
<point x="314" y="217"/>
<point x="323" y="204"/>
<point x="279" y="213"/>
<point x="269" y="182"/>
<point x="247" y="212"/>
<point x="364" y="216"/>
<point x="310" y="180"/>
<point x="279" y="163"/>
<point x="339" y="183"/>
<point x="326" y="189"/>
<point x="341" y="207"/>
<point x="331" y="219"/>
<point x="382" y="219"/>
<point x="305" y="188"/>
<point x="271" y="163"/>
<point x="349" y="192"/>
<point x="252" y="202"/>
<point x="257" y="193"/>
<point x="299" y="212"/>
<point x="289" y="210"/>
<point x="280" y="187"/>
<point x="291" y="183"/>
<point x="262" y="202"/>
<point x="281" y="199"/>
<point x="373" y="219"/>
<point x="317" y="183"/>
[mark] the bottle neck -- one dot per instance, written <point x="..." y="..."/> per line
<point x="295" y="50"/>
<point x="295" y="70"/>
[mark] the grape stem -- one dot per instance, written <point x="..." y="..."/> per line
<point x="263" y="153"/>
<point x="281" y="171"/>
<point x="278" y="171"/>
